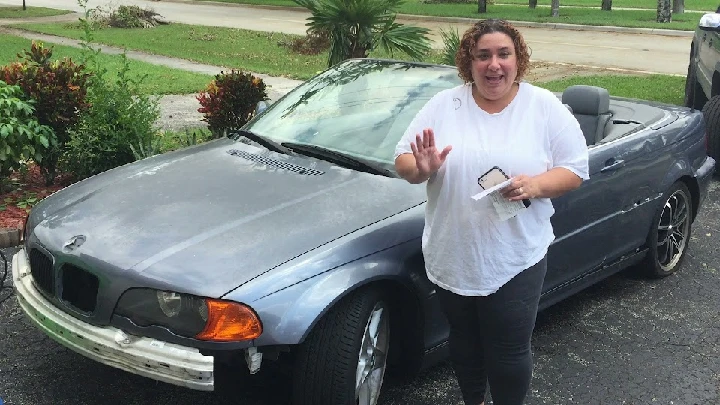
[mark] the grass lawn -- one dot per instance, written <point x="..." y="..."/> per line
<point x="661" y="88"/>
<point x="159" y="79"/>
<point x="700" y="5"/>
<point x="18" y="12"/>
<point x="253" y="51"/>
<point x="568" y="15"/>
<point x="259" y="52"/>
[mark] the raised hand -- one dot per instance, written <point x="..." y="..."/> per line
<point x="427" y="157"/>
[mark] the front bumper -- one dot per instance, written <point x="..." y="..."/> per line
<point x="162" y="361"/>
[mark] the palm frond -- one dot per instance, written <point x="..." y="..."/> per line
<point x="411" y="40"/>
<point x="356" y="26"/>
<point x="451" y="43"/>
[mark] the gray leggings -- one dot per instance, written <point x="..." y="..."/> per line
<point x="490" y="338"/>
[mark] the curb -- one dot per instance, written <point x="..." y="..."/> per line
<point x="9" y="237"/>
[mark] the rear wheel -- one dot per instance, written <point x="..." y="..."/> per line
<point x="343" y="360"/>
<point x="670" y="232"/>
<point x="711" y="112"/>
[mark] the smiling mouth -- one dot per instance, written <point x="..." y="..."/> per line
<point x="494" y="79"/>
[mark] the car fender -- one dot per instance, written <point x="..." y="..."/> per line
<point x="681" y="169"/>
<point x="289" y="315"/>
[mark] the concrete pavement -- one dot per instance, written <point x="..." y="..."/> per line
<point x="658" y="51"/>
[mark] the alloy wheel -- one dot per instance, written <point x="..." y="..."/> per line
<point x="673" y="230"/>
<point x="373" y="356"/>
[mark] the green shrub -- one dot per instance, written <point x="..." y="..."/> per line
<point x="59" y="89"/>
<point x="451" y="44"/>
<point x="22" y="138"/>
<point x="119" y="123"/>
<point x="229" y="101"/>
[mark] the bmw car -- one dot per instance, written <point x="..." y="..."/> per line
<point x="294" y="242"/>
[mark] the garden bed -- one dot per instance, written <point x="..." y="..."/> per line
<point x="23" y="191"/>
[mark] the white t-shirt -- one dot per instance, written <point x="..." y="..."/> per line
<point x="467" y="248"/>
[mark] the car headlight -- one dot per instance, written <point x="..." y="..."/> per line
<point x="190" y="316"/>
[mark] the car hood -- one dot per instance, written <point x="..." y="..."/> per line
<point x="208" y="219"/>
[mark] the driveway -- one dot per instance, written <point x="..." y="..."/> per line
<point x="597" y="48"/>
<point x="626" y="340"/>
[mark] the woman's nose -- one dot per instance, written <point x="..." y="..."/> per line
<point x="494" y="62"/>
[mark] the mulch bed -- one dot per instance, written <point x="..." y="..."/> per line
<point x="23" y="186"/>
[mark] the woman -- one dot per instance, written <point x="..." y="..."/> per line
<point x="489" y="270"/>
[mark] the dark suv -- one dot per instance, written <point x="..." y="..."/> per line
<point x="702" y="86"/>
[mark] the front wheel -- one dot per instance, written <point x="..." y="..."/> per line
<point x="343" y="360"/>
<point x="711" y="112"/>
<point x="670" y="232"/>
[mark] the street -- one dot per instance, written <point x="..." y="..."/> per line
<point x="626" y="340"/>
<point x="631" y="51"/>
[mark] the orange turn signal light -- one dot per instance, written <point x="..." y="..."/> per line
<point x="229" y="322"/>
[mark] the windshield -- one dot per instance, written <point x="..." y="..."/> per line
<point x="360" y="107"/>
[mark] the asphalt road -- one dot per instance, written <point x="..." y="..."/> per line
<point x="626" y="340"/>
<point x="620" y="50"/>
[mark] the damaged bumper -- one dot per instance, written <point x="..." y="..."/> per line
<point x="162" y="361"/>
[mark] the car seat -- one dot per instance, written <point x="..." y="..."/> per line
<point x="591" y="107"/>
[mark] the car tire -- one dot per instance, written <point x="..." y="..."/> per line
<point x="343" y="359"/>
<point x="711" y="112"/>
<point x="669" y="234"/>
<point x="694" y="96"/>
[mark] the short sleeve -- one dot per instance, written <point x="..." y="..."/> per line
<point x="567" y="142"/>
<point x="423" y="119"/>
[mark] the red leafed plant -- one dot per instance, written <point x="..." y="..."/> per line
<point x="59" y="89"/>
<point x="229" y="101"/>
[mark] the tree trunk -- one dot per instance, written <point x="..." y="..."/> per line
<point x="678" y="6"/>
<point x="532" y="3"/>
<point x="606" y="5"/>
<point x="482" y="6"/>
<point x="24" y="8"/>
<point x="555" y="8"/>
<point x="664" y="11"/>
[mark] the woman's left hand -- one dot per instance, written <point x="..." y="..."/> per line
<point x="522" y="187"/>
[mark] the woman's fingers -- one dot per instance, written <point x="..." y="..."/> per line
<point x="445" y="152"/>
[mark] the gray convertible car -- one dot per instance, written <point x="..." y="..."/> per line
<point x="293" y="241"/>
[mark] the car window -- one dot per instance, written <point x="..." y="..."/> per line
<point x="361" y="108"/>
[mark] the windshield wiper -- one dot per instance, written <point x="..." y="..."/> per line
<point x="338" y="158"/>
<point x="266" y="142"/>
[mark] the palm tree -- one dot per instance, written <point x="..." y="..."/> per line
<point x="356" y="27"/>
<point x="664" y="11"/>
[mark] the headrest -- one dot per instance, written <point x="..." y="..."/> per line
<point x="588" y="100"/>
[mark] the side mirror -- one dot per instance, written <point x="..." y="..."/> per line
<point x="260" y="107"/>
<point x="710" y="22"/>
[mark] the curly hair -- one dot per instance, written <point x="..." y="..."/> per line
<point x="464" y="58"/>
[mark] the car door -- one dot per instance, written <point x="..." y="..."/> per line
<point x="610" y="214"/>
<point x="584" y="220"/>
<point x="708" y="55"/>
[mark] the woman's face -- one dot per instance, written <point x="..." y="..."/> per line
<point x="494" y="66"/>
